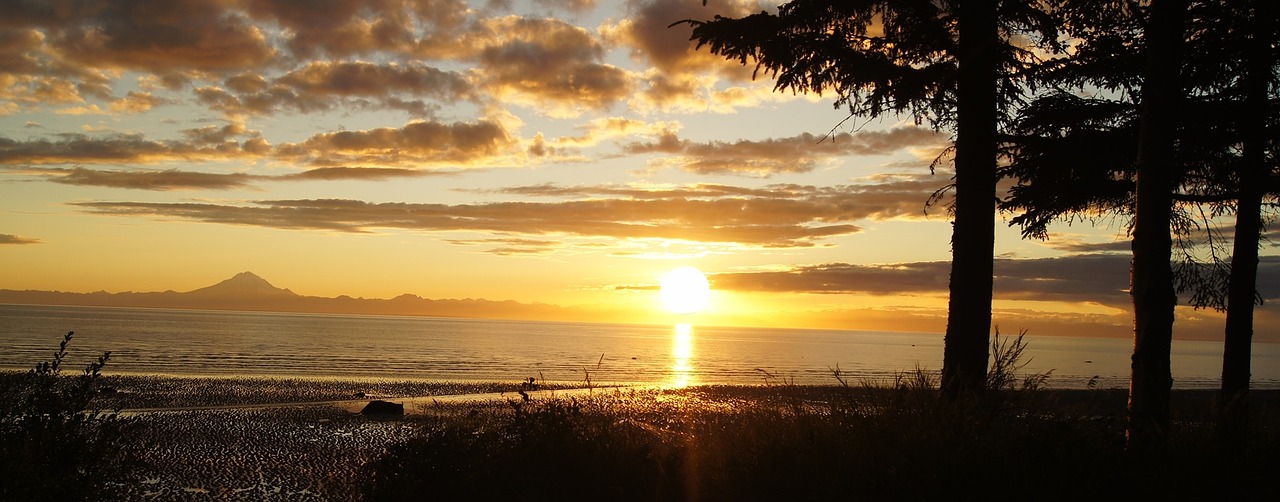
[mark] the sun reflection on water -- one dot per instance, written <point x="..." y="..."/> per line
<point x="682" y="355"/>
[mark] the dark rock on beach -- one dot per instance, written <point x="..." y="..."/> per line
<point x="383" y="408"/>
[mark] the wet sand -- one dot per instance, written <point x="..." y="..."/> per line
<point x="297" y="439"/>
<point x="149" y="392"/>
<point x="282" y="439"/>
<point x="295" y="453"/>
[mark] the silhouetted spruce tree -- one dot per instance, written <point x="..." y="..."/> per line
<point x="1151" y="281"/>
<point x="949" y="63"/>
<point x="1076" y="154"/>
<point x="1257" y="128"/>
<point x="1145" y="188"/>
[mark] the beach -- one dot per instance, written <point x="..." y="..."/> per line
<point x="304" y="439"/>
<point x="255" y="438"/>
<point x="285" y="438"/>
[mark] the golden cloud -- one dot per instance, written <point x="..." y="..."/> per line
<point x="356" y="173"/>
<point x="420" y="143"/>
<point x="361" y="26"/>
<point x="39" y="89"/>
<point x="136" y="102"/>
<point x="569" y="5"/>
<point x="171" y="179"/>
<point x="113" y="149"/>
<point x="174" y="179"/>
<point x="324" y="78"/>
<point x="547" y="64"/>
<point x="507" y="246"/>
<point x="17" y="239"/>
<point x="323" y="85"/>
<point x="665" y="219"/>
<point x="796" y="154"/>
<point x="773" y="216"/>
<point x="1102" y="279"/>
<point x="648" y="32"/>
<point x="423" y="142"/>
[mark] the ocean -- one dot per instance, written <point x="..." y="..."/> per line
<point x="223" y="343"/>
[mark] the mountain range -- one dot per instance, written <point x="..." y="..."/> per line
<point x="247" y="291"/>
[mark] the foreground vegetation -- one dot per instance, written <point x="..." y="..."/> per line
<point x="874" y="441"/>
<point x="52" y="447"/>
<point x="784" y="443"/>
<point x="898" y="441"/>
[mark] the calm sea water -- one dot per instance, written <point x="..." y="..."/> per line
<point x="190" y="342"/>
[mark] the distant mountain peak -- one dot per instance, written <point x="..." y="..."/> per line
<point x="249" y="277"/>
<point x="243" y="284"/>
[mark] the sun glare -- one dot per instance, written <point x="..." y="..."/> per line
<point x="685" y="290"/>
<point x="682" y="356"/>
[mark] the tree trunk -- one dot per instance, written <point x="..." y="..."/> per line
<point x="1151" y="280"/>
<point x="1242" y="285"/>
<point x="964" y="363"/>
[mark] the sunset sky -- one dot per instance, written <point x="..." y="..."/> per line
<point x="566" y="152"/>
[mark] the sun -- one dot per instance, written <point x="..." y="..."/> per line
<point x="685" y="290"/>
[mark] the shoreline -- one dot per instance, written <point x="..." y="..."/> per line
<point x="148" y="393"/>
<point x="255" y="438"/>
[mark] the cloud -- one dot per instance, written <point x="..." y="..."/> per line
<point x="136" y="102"/>
<point x="17" y="239"/>
<point x="511" y="246"/>
<point x="32" y="73"/>
<point x="356" y="173"/>
<point x="909" y="278"/>
<point x="569" y="5"/>
<point x="359" y="78"/>
<point x="1268" y="278"/>
<point x="202" y="35"/>
<point x="417" y="143"/>
<point x="19" y="50"/>
<point x="213" y="135"/>
<point x="325" y="85"/>
<point x="1085" y="278"/>
<point x="549" y="65"/>
<point x="345" y="28"/>
<point x="758" y="223"/>
<point x="647" y="30"/>
<point x="1070" y="244"/>
<point x="420" y="143"/>
<point x="776" y="216"/>
<point x="796" y="154"/>
<point x="683" y="78"/>
<point x="171" y="179"/>
<point x="43" y="89"/>
<point x="879" y="198"/>
<point x="599" y="130"/>
<point x="174" y="179"/>
<point x="112" y="149"/>
<point x="1100" y="279"/>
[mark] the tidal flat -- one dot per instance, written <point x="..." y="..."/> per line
<point x="274" y="438"/>
<point x="304" y="439"/>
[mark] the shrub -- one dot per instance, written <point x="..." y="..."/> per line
<point x="52" y="445"/>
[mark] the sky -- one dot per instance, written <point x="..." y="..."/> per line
<point x="558" y="152"/>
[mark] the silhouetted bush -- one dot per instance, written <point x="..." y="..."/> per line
<point x="52" y="446"/>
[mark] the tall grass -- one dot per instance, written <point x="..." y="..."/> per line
<point x="788" y="442"/>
